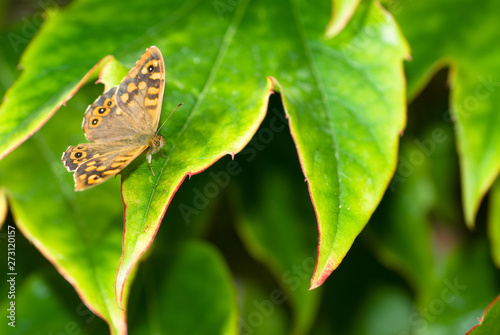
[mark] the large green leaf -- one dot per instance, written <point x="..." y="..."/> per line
<point x="79" y="233"/>
<point x="346" y="125"/>
<point x="465" y="39"/>
<point x="344" y="98"/>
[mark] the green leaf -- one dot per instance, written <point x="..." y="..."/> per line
<point x="80" y="233"/>
<point x="228" y="77"/>
<point x="21" y="116"/>
<point x="272" y="226"/>
<point x="494" y="222"/>
<point x="346" y="123"/>
<point x="29" y="318"/>
<point x="204" y="303"/>
<point x="112" y="72"/>
<point x="346" y="141"/>
<point x="489" y="321"/>
<point x="438" y="39"/>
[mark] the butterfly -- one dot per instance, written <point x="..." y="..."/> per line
<point x="121" y="124"/>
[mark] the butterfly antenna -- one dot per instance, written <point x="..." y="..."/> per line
<point x="168" y="117"/>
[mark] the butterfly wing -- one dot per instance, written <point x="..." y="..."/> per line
<point x="132" y="108"/>
<point x="140" y="93"/>
<point x="105" y="123"/>
<point x="120" y="123"/>
<point x="94" y="163"/>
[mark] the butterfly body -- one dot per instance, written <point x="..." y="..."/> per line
<point x="121" y="124"/>
<point x="156" y="143"/>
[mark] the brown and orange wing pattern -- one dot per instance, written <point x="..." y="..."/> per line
<point x="94" y="163"/>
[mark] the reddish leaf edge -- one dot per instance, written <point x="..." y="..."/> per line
<point x="497" y="299"/>
<point x="82" y="82"/>
<point x="333" y="262"/>
<point x="120" y="284"/>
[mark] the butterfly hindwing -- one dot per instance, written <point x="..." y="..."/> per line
<point x="95" y="163"/>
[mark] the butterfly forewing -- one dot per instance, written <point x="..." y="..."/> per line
<point x="103" y="121"/>
<point x="140" y="93"/>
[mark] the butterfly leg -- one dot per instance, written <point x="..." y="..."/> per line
<point x="148" y="157"/>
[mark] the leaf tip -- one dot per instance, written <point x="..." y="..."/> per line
<point x="470" y="214"/>
<point x="318" y="280"/>
<point x="271" y="80"/>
